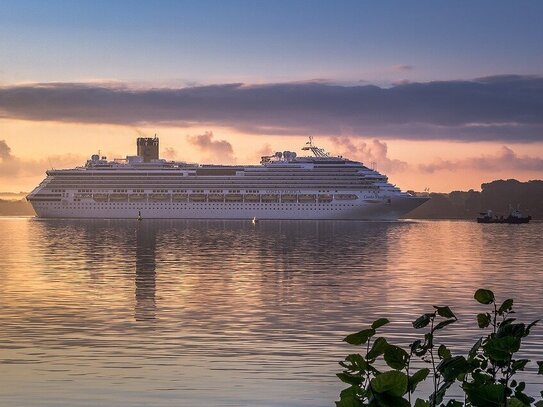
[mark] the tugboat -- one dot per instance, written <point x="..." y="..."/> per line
<point x="515" y="217"/>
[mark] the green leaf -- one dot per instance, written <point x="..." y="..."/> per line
<point x="483" y="320"/>
<point x="437" y="398"/>
<point x="360" y="338"/>
<point x="473" y="351"/>
<point x="540" y="402"/>
<point x="350" y="397"/>
<point x="357" y="363"/>
<point x="486" y="395"/>
<point x="378" y="323"/>
<point x="516" y="330"/>
<point x="527" y="331"/>
<point x="349" y="378"/>
<point x="418" y="376"/>
<point x="453" y="367"/>
<point x="523" y="398"/>
<point x="454" y="403"/>
<point x="396" y="357"/>
<point x="501" y="349"/>
<point x="349" y="400"/>
<point x="514" y="402"/>
<point x="388" y="400"/>
<point x="445" y="312"/>
<point x="484" y="296"/>
<point x="443" y="352"/>
<point x="422" y="403"/>
<point x="443" y="324"/>
<point x="392" y="382"/>
<point x="378" y="348"/>
<point x="519" y="364"/>
<point x="422" y="321"/>
<point x="540" y="370"/>
<point x="506" y="306"/>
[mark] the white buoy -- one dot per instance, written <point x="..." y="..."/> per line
<point x="255" y="220"/>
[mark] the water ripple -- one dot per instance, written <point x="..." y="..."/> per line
<point x="226" y="313"/>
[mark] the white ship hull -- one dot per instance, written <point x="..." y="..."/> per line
<point x="363" y="211"/>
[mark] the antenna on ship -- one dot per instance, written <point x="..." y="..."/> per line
<point x="317" y="152"/>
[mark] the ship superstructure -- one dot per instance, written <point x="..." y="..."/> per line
<point x="283" y="186"/>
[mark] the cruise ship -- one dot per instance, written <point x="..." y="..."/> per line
<point x="284" y="186"/>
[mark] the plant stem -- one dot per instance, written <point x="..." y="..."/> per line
<point x="433" y="361"/>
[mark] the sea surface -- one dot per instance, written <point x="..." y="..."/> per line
<point x="227" y="313"/>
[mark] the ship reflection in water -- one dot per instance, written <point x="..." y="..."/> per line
<point x="145" y="307"/>
<point x="231" y="313"/>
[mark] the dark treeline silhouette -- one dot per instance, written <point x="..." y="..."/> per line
<point x="19" y="207"/>
<point x="499" y="196"/>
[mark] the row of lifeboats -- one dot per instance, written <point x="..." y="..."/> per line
<point x="200" y="197"/>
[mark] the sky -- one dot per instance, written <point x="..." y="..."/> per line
<point x="439" y="95"/>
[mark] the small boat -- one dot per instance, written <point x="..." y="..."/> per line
<point x="515" y="217"/>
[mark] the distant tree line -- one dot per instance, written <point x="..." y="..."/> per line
<point x="498" y="196"/>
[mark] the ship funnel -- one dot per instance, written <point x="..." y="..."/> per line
<point x="148" y="148"/>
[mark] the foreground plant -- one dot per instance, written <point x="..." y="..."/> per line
<point x="485" y="374"/>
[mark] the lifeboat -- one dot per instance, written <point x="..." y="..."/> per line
<point x="215" y="198"/>
<point x="118" y="197"/>
<point x="83" y="196"/>
<point x="291" y="198"/>
<point x="270" y="198"/>
<point x="326" y="198"/>
<point x="159" y="197"/>
<point x="137" y="197"/>
<point x="180" y="197"/>
<point x="345" y="197"/>
<point x="233" y="198"/>
<point x="197" y="197"/>
<point x="252" y="198"/>
<point x="100" y="197"/>
<point x="306" y="198"/>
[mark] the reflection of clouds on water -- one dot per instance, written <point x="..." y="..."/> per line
<point x="145" y="306"/>
<point x="186" y="301"/>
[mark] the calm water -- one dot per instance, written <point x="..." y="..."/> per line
<point x="185" y="313"/>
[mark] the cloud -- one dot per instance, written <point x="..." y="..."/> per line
<point x="374" y="153"/>
<point x="13" y="166"/>
<point x="169" y="153"/>
<point x="504" y="159"/>
<point x="402" y="68"/>
<point x="505" y="108"/>
<point x="5" y="151"/>
<point x="213" y="149"/>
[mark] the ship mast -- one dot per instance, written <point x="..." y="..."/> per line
<point x="317" y="152"/>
